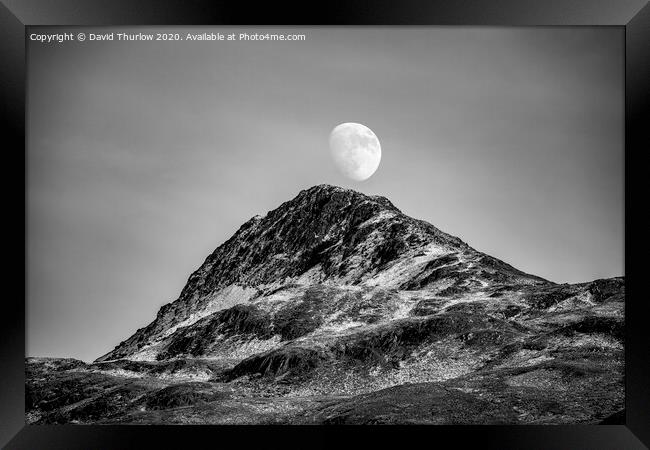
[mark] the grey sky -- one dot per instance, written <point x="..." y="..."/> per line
<point x="145" y="156"/>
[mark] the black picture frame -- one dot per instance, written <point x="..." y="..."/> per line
<point x="629" y="432"/>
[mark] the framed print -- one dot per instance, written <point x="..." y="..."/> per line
<point x="370" y="221"/>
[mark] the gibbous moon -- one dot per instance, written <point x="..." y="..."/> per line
<point x="356" y="150"/>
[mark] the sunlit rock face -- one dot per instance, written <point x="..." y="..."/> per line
<point x="337" y="308"/>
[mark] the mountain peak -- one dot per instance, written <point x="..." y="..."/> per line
<point x="329" y="191"/>
<point x="325" y="187"/>
<point x="328" y="235"/>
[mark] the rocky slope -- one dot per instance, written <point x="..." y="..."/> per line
<point x="338" y="308"/>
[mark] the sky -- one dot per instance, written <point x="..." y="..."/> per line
<point x="143" y="157"/>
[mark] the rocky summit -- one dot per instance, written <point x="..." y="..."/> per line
<point x="338" y="308"/>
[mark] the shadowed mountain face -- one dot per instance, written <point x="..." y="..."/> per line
<point x="337" y="308"/>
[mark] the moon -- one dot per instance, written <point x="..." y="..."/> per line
<point x="355" y="150"/>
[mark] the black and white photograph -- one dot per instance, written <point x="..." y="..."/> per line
<point x="292" y="225"/>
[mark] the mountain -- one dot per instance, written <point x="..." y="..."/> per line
<point x="325" y="238"/>
<point x="336" y="307"/>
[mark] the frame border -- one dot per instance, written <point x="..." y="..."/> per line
<point x="631" y="15"/>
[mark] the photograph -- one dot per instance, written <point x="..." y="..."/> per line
<point x="313" y="225"/>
